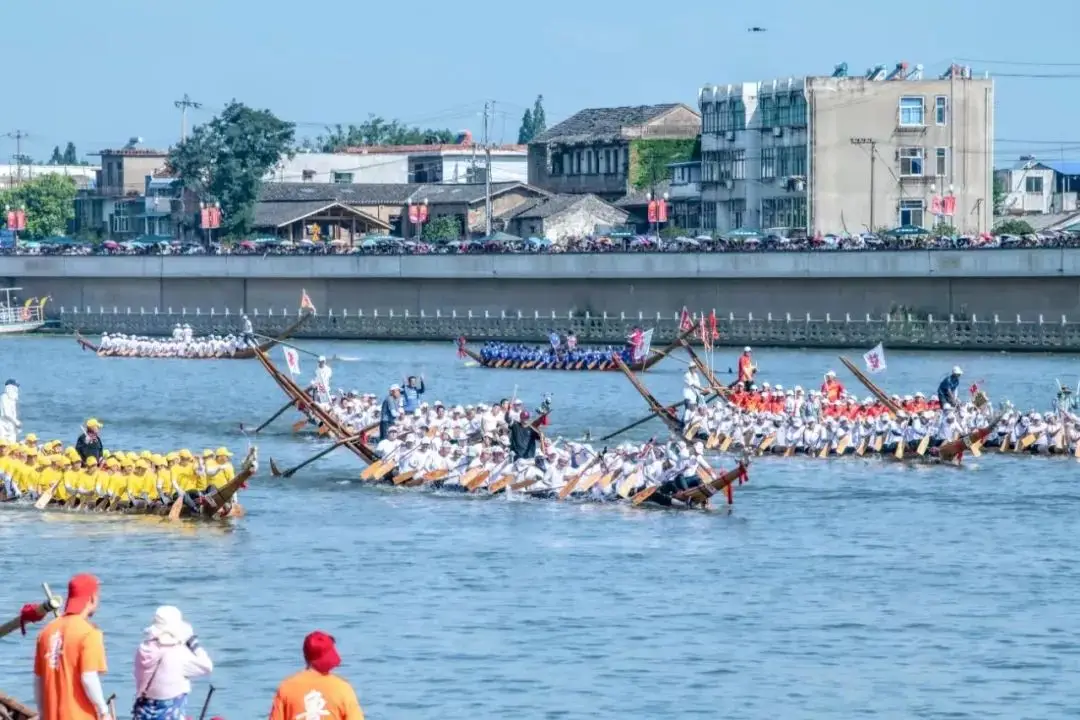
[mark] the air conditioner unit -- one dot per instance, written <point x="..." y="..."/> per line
<point x="777" y="131"/>
<point x="730" y="135"/>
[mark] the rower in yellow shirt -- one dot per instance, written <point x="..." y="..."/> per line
<point x="87" y="480"/>
<point x="220" y="472"/>
<point x="51" y="477"/>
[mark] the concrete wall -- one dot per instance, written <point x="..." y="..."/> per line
<point x="1007" y="282"/>
<point x="802" y="331"/>
<point x="380" y="168"/>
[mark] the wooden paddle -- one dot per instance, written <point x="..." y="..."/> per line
<point x="178" y="503"/>
<point x="292" y="471"/>
<point x="569" y="486"/>
<point x="842" y="446"/>
<point x="46" y="497"/>
<point x="1004" y="446"/>
<point x="924" y="444"/>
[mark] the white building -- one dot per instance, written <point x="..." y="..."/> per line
<point x="449" y="164"/>
<point x="839" y="153"/>
<point x="84" y="175"/>
<point x="1033" y="187"/>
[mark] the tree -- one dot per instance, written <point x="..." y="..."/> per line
<point x="539" y="120"/>
<point x="57" y="157"/>
<point x="999" y="196"/>
<point x="70" y="156"/>
<point x="525" y="132"/>
<point x="225" y="161"/>
<point x="49" y="201"/>
<point x="944" y="229"/>
<point x="1014" y="227"/>
<point x="377" y="131"/>
<point x="442" y="229"/>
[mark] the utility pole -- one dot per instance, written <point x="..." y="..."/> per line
<point x="18" y="136"/>
<point x="489" y="108"/>
<point x="864" y="142"/>
<point x="183" y="104"/>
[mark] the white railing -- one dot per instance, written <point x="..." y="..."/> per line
<point x="21" y="314"/>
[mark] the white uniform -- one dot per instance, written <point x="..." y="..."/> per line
<point x="9" y="413"/>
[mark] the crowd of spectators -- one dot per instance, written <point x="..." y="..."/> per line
<point x="744" y="242"/>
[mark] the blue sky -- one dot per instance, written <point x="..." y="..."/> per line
<point x="100" y="72"/>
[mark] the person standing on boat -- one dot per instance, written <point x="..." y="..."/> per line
<point x="69" y="659"/>
<point x="166" y="660"/>
<point x="315" y="692"/>
<point x="9" y="412"/>
<point x="390" y="411"/>
<point x="249" y="331"/>
<point x="746" y="370"/>
<point x="946" y="391"/>
<point x="523" y="436"/>
<point x="411" y="393"/>
<point x="89" y="443"/>
<point x="321" y="382"/>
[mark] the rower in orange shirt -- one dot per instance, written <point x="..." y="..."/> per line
<point x="70" y="658"/>
<point x="314" y="692"/>
<point x="746" y="369"/>
<point x="831" y="388"/>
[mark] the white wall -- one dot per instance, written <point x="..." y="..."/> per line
<point x="84" y="175"/>
<point x="366" y="169"/>
<point x="1018" y="200"/>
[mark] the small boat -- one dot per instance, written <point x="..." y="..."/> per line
<point x="604" y="364"/>
<point x="219" y="505"/>
<point x="12" y="709"/>
<point x="19" y="319"/>
<point x="243" y="354"/>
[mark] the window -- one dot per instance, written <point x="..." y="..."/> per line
<point x="768" y="163"/>
<point x="708" y="215"/>
<point x="941" y="110"/>
<point x="608" y="167"/>
<point x="783" y="212"/>
<point x="941" y="155"/>
<point x="911" y="162"/>
<point x="798" y="110"/>
<point x="766" y="108"/>
<point x="911" y="213"/>
<point x="798" y="160"/>
<point x="1033" y="184"/>
<point x="738" y="114"/>
<point x="723" y="117"/>
<point x="343" y="178"/>
<point x="783" y="110"/>
<point x="737" y="212"/>
<point x="732" y="164"/>
<point x="912" y="111"/>
<point x="307" y="175"/>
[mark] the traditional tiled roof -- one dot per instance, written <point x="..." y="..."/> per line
<point x="543" y="208"/>
<point x="278" y="214"/>
<point x="386" y="193"/>
<point x="603" y="123"/>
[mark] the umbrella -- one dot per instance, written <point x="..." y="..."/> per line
<point x="538" y="241"/>
<point x="110" y="245"/>
<point x="247" y="244"/>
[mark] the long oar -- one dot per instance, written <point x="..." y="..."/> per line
<point x="289" y="345"/>
<point x="291" y="471"/>
<point x="273" y="417"/>
<point x="51" y="605"/>
<point x="206" y="703"/>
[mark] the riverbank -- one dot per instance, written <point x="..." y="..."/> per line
<point x="848" y="331"/>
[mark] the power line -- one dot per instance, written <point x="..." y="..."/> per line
<point x="183" y="104"/>
<point x="18" y="136"/>
<point x="1024" y="63"/>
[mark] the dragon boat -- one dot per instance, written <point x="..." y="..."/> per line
<point x="216" y="506"/>
<point x="558" y="362"/>
<point x="242" y="354"/>
<point x="501" y="479"/>
<point x="12" y="709"/>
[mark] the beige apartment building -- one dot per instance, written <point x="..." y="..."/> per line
<point x="849" y="154"/>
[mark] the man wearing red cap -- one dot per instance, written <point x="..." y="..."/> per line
<point x="70" y="657"/>
<point x="313" y="693"/>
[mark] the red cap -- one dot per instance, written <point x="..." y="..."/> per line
<point x="524" y="414"/>
<point x="81" y="589"/>
<point x="320" y="653"/>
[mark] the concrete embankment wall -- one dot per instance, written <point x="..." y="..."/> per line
<point x="997" y="334"/>
<point x="980" y="282"/>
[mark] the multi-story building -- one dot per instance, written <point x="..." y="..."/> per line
<point x="592" y="151"/>
<point x="11" y="175"/>
<point x="1035" y="187"/>
<point x="684" y="194"/>
<point x="855" y="154"/>
<point x="115" y="205"/>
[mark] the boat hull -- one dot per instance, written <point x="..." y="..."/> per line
<point x="21" y="328"/>
<point x="14" y="709"/>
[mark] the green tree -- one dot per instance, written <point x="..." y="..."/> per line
<point x="999" y="196"/>
<point x="225" y="161"/>
<point x="944" y="229"/>
<point x="70" y="156"/>
<point x="1014" y="227"/>
<point x="525" y="132"/>
<point x="57" y="157"/>
<point x="377" y="131"/>
<point x="539" y="120"/>
<point x="442" y="229"/>
<point x="49" y="201"/>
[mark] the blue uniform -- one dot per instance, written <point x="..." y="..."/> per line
<point x="947" y="389"/>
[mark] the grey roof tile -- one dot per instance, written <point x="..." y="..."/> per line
<point x="384" y="193"/>
<point x="598" y="123"/>
<point x="276" y="214"/>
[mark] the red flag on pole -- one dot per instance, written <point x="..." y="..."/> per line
<point x="712" y="326"/>
<point x="685" y="323"/>
<point x="654" y="211"/>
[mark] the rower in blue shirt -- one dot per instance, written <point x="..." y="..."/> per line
<point x="946" y="391"/>
<point x="411" y="393"/>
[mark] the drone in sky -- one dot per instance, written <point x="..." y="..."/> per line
<point x="756" y="29"/>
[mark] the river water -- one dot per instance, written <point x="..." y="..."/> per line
<point x="833" y="589"/>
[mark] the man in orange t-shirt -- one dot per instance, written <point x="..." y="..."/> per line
<point x="70" y="657"/>
<point x="313" y="693"/>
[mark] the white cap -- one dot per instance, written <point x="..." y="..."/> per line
<point x="830" y="374"/>
<point x="322" y="358"/>
<point x="395" y="387"/>
<point x="956" y="370"/>
<point x="746" y="349"/>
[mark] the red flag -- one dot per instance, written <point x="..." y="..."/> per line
<point x="712" y="326"/>
<point x="685" y="323"/>
<point x="653" y="211"/>
<point x="661" y="211"/>
<point x="706" y="338"/>
<point x="974" y="388"/>
<point x="305" y="301"/>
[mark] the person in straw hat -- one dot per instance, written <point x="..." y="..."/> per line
<point x="166" y="660"/>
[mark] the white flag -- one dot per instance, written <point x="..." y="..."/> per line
<point x="292" y="359"/>
<point x="875" y="359"/>
<point x="642" y="351"/>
